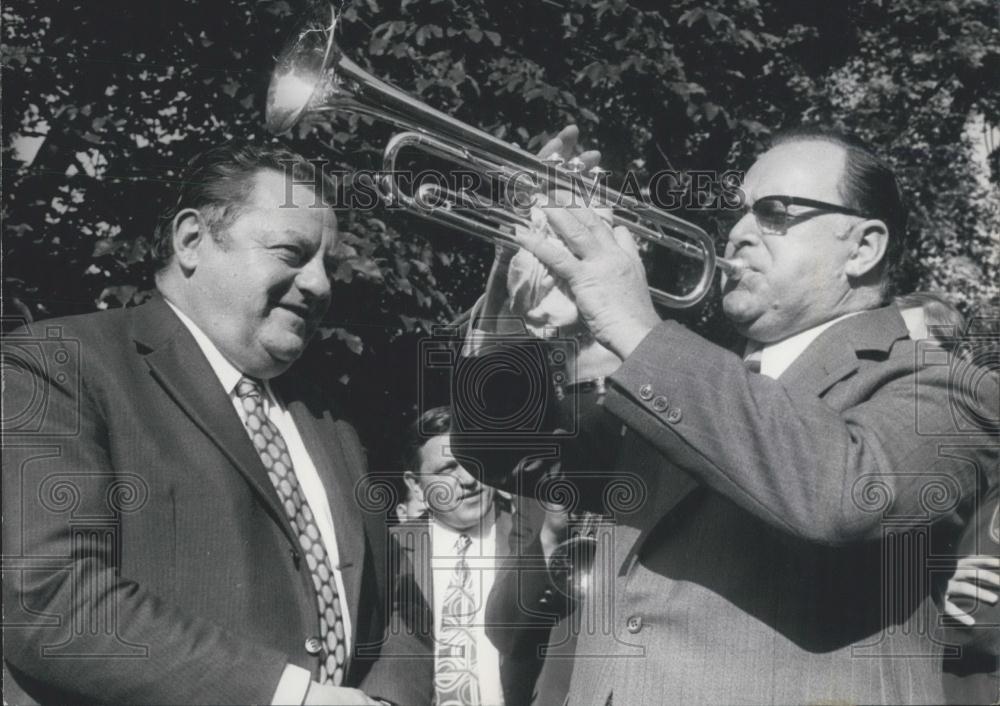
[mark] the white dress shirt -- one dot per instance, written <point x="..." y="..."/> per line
<point x="481" y="557"/>
<point x="777" y="357"/>
<point x="294" y="680"/>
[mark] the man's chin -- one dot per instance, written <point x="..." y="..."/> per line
<point x="737" y="307"/>
<point x="742" y="315"/>
<point x="285" y="349"/>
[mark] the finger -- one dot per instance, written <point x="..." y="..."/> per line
<point x="953" y="611"/>
<point x="568" y="136"/>
<point x="977" y="576"/>
<point x="572" y="199"/>
<point x="553" y="146"/>
<point x="590" y="159"/>
<point x="964" y="588"/>
<point x="550" y="252"/>
<point x="579" y="237"/>
<point x="981" y="560"/>
<point x="625" y="241"/>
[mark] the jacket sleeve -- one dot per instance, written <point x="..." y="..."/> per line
<point x="524" y="603"/>
<point x="794" y="460"/>
<point x="511" y="428"/>
<point x="76" y="629"/>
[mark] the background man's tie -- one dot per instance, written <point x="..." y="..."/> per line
<point x="273" y="453"/>
<point x="456" y="682"/>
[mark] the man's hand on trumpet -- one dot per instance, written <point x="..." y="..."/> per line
<point x="544" y="302"/>
<point x="601" y="270"/>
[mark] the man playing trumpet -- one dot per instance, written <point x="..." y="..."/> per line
<point x="798" y="502"/>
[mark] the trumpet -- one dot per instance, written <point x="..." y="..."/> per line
<point x="313" y="77"/>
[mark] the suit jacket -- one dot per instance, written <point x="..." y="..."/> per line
<point x="774" y="541"/>
<point x="146" y="556"/>
<point x="517" y="543"/>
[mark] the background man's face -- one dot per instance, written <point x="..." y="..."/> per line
<point x="263" y="290"/>
<point x="453" y="496"/>
<point x="796" y="280"/>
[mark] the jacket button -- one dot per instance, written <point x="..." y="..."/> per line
<point x="313" y="645"/>
<point x="646" y="392"/>
<point x="634" y="624"/>
<point x="659" y="404"/>
<point x="674" y="415"/>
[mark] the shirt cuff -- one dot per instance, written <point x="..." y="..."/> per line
<point x="292" y="687"/>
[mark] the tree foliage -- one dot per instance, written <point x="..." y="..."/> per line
<point x="104" y="102"/>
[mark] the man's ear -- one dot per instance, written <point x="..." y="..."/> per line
<point x="189" y="232"/>
<point x="410" y="478"/>
<point x="871" y="238"/>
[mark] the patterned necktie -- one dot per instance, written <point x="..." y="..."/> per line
<point x="752" y="361"/>
<point x="274" y="454"/>
<point x="456" y="682"/>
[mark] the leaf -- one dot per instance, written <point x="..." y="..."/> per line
<point x="104" y="246"/>
<point x="118" y="295"/>
<point x="691" y="16"/>
<point x="595" y="71"/>
<point x="344" y="272"/>
<point x="367" y="267"/>
<point x="279" y="8"/>
<point x="353" y="342"/>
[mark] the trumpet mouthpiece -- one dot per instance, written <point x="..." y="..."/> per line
<point x="733" y="269"/>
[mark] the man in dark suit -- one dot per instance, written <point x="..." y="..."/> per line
<point x="471" y="539"/>
<point x="792" y="510"/>
<point x="180" y="523"/>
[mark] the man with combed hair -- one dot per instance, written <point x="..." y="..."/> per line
<point x="796" y="500"/>
<point x="179" y="515"/>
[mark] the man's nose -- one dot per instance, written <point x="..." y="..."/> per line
<point x="313" y="279"/>
<point x="744" y="233"/>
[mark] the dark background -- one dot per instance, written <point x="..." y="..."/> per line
<point x="103" y="102"/>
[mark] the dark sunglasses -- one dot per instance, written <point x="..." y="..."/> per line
<point x="773" y="217"/>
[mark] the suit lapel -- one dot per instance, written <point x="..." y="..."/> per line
<point x="833" y="356"/>
<point x="415" y="541"/>
<point x="178" y="365"/>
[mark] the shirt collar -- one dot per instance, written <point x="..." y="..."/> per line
<point x="444" y="537"/>
<point x="777" y="357"/>
<point x="227" y="373"/>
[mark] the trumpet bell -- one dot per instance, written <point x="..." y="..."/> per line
<point x="314" y="77"/>
<point x="571" y="568"/>
<point x="301" y="73"/>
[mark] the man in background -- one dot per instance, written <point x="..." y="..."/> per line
<point x="179" y="522"/>
<point x="449" y="567"/>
